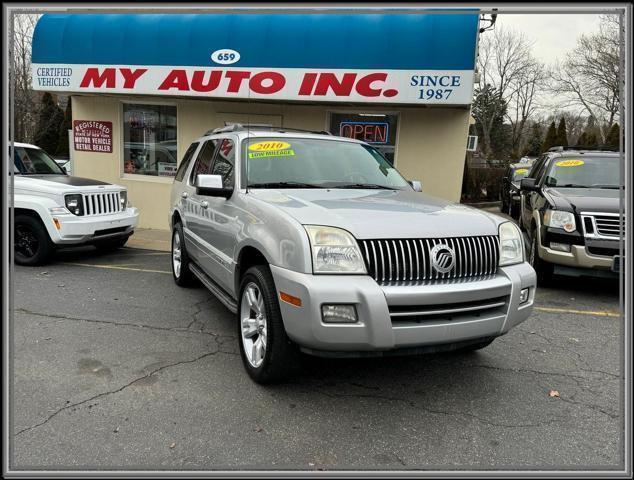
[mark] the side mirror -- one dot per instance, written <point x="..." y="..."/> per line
<point x="416" y="185"/>
<point x="211" y="186"/>
<point x="528" y="184"/>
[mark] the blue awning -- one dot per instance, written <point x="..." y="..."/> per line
<point x="290" y="40"/>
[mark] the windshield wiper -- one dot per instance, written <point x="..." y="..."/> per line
<point x="283" y="185"/>
<point x="569" y="185"/>
<point x="364" y="185"/>
<point x="605" y="185"/>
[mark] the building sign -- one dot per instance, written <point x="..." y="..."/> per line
<point x="92" y="136"/>
<point x="382" y="58"/>
<point x="370" y="132"/>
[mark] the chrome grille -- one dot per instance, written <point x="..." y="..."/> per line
<point x="609" y="225"/>
<point x="101" y="203"/>
<point x="408" y="260"/>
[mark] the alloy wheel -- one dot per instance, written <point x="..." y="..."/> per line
<point x="253" y="324"/>
<point x="176" y="254"/>
<point x="25" y="241"/>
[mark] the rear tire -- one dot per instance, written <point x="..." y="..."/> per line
<point x="544" y="270"/>
<point x="267" y="353"/>
<point x="111" y="245"/>
<point x="31" y="243"/>
<point x="183" y="276"/>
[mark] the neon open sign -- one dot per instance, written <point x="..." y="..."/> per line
<point x="370" y="132"/>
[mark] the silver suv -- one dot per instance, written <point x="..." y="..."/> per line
<point x="319" y="245"/>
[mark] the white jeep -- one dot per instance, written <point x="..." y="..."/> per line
<point x="53" y="209"/>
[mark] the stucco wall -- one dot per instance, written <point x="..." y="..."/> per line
<point x="430" y="143"/>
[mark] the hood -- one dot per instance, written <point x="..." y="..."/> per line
<point x="381" y="213"/>
<point x="59" y="183"/>
<point x="585" y="199"/>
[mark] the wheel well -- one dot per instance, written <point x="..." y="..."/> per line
<point x="249" y="256"/>
<point x="27" y="212"/>
<point x="176" y="217"/>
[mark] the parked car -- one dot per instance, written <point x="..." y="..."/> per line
<point x="53" y="209"/>
<point x="510" y="192"/>
<point x="571" y="215"/>
<point x="319" y="245"/>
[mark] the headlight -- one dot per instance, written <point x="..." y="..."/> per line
<point x="559" y="219"/>
<point x="334" y="250"/>
<point x="511" y="244"/>
<point x="74" y="203"/>
<point x="123" y="198"/>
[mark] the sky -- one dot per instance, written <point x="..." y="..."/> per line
<point x="554" y="34"/>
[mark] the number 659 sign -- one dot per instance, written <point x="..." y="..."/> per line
<point x="225" y="56"/>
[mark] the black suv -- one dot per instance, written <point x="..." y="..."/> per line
<point x="510" y="193"/>
<point x="570" y="212"/>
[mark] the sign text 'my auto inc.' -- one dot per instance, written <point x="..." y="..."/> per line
<point x="449" y="87"/>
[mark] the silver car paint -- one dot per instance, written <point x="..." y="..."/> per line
<point x="271" y="221"/>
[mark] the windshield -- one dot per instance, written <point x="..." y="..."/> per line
<point x="33" y="161"/>
<point x="315" y="163"/>
<point x="519" y="174"/>
<point x="586" y="172"/>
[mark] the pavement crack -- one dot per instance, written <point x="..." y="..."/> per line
<point x="111" y="392"/>
<point x="118" y="324"/>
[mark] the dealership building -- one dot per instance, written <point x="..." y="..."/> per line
<point x="144" y="86"/>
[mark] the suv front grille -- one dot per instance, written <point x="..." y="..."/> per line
<point x="609" y="225"/>
<point x="406" y="260"/>
<point x="101" y="203"/>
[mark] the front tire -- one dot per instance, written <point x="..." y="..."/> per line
<point x="183" y="276"/>
<point x="267" y="353"/>
<point x="544" y="270"/>
<point x="31" y="243"/>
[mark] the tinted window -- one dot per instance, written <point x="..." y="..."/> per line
<point x="519" y="173"/>
<point x="225" y="161"/>
<point x="33" y="161"/>
<point x="203" y="162"/>
<point x="182" y="168"/>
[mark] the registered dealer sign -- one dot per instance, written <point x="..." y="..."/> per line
<point x="92" y="136"/>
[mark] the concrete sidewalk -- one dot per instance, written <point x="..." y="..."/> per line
<point x="150" y="239"/>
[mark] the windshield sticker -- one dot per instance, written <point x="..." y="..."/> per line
<point x="569" y="163"/>
<point x="521" y="170"/>
<point x="274" y="153"/>
<point x="269" y="146"/>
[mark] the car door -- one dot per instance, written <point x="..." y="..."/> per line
<point x="221" y="227"/>
<point x="195" y="207"/>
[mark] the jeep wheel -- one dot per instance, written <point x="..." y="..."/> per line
<point x="267" y="353"/>
<point x="31" y="243"/>
<point x="111" y="245"/>
<point x="544" y="270"/>
<point x="183" y="276"/>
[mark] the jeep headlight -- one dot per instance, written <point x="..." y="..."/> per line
<point x="123" y="198"/>
<point x="511" y="244"/>
<point x="74" y="203"/>
<point x="334" y="250"/>
<point x="560" y="219"/>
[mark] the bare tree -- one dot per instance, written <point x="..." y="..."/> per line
<point x="590" y="78"/>
<point x="24" y="100"/>
<point x="507" y="67"/>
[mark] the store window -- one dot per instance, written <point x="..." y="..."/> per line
<point x="377" y="129"/>
<point x="149" y="136"/>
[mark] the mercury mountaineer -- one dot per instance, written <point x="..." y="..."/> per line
<point x="318" y="245"/>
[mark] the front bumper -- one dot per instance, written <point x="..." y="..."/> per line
<point x="88" y="229"/>
<point x="379" y="329"/>
<point x="579" y="255"/>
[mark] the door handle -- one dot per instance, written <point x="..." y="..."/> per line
<point x="184" y="195"/>
<point x="204" y="204"/>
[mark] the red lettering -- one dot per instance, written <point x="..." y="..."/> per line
<point x="198" y="81"/>
<point x="339" y="88"/>
<point x="175" y="79"/>
<point x="307" y="84"/>
<point x="131" y="76"/>
<point x="379" y="135"/>
<point x="257" y="82"/>
<point x="364" y="85"/>
<point x="235" y="80"/>
<point x="109" y="77"/>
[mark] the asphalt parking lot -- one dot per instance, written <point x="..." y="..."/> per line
<point x="115" y="367"/>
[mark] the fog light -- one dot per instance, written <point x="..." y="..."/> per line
<point x="524" y="295"/>
<point x="561" y="247"/>
<point x="339" y="314"/>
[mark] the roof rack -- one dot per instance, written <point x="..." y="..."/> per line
<point x="239" y="127"/>
<point x="600" y="148"/>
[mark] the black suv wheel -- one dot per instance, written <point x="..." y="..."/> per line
<point x="543" y="269"/>
<point x="31" y="243"/>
